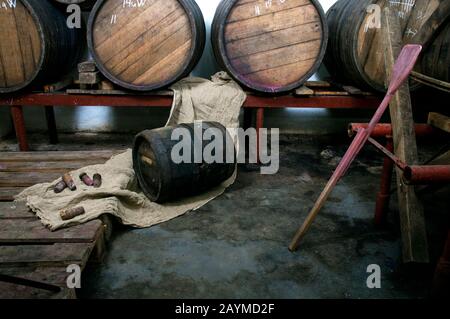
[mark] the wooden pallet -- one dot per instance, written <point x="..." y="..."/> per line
<point x="329" y="88"/>
<point x="34" y="260"/>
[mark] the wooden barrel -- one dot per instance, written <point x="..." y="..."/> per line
<point x="162" y="179"/>
<point x="355" y="52"/>
<point x="35" y="44"/>
<point x="146" y="45"/>
<point x="436" y="60"/>
<point x="270" y="46"/>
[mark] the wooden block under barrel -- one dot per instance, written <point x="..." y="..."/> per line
<point x="88" y="66"/>
<point x="89" y="78"/>
<point x="412" y="220"/>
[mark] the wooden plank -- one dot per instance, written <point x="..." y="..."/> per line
<point x="62" y="84"/>
<point x="54" y="276"/>
<point x="32" y="231"/>
<point x="7" y="194"/>
<point x="331" y="93"/>
<point x="49" y="167"/>
<point x="106" y="85"/>
<point x="431" y="82"/>
<point x="26" y="179"/>
<point x="56" y="156"/>
<point x="442" y="160"/>
<point x="14" y="210"/>
<point x="414" y="236"/>
<point x="12" y="291"/>
<point x="304" y="91"/>
<point x="318" y="84"/>
<point x="44" y="255"/>
<point x="439" y="121"/>
<point x="118" y="92"/>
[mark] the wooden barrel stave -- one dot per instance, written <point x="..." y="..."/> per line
<point x="146" y="47"/>
<point x="272" y="48"/>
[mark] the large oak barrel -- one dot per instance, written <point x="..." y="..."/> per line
<point x="145" y="45"/>
<point x="270" y="46"/>
<point x="355" y="52"/>
<point x="35" y="44"/>
<point x="164" y="179"/>
<point x="436" y="60"/>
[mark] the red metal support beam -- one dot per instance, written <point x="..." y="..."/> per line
<point x="425" y="175"/>
<point x="252" y="101"/>
<point x="392" y="157"/>
<point x="165" y="101"/>
<point x="384" y="130"/>
<point x="417" y="175"/>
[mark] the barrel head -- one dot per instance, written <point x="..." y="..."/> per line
<point x="271" y="46"/>
<point x="143" y="45"/>
<point x="20" y="46"/>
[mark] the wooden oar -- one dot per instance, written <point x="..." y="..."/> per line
<point x="402" y="69"/>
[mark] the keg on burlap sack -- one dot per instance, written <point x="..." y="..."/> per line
<point x="165" y="178"/>
<point x="355" y="53"/>
<point x="146" y="45"/>
<point x="270" y="46"/>
<point x="36" y="45"/>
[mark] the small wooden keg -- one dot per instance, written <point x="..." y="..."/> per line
<point x="163" y="180"/>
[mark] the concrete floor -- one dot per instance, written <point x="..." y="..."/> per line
<point x="236" y="246"/>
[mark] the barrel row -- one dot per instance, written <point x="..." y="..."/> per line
<point x="268" y="46"/>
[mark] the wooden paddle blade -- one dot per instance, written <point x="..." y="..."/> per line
<point x="404" y="66"/>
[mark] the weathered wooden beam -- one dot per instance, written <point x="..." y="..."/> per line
<point x="439" y="121"/>
<point x="304" y="91"/>
<point x="414" y="236"/>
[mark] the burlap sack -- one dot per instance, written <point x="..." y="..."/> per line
<point x="195" y="99"/>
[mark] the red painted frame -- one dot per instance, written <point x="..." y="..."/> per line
<point x="253" y="102"/>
